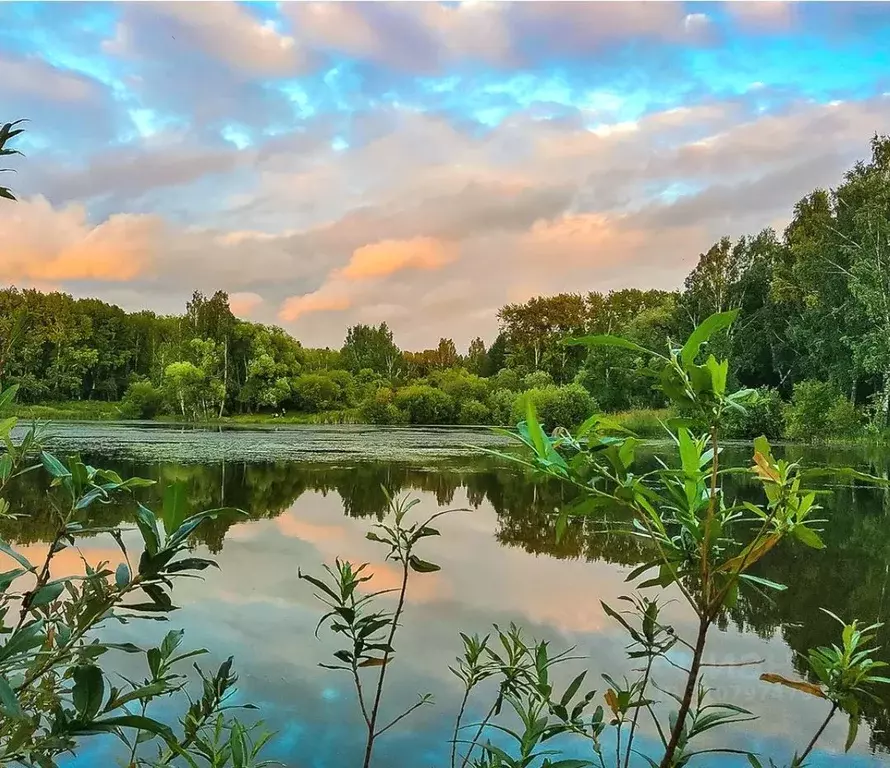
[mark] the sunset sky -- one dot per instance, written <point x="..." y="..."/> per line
<point x="421" y="164"/>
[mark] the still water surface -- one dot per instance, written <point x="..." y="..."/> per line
<point x="311" y="495"/>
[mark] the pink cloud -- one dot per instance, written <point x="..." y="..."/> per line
<point x="244" y="304"/>
<point x="389" y="256"/>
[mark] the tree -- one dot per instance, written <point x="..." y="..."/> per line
<point x="863" y="224"/>
<point x="367" y="346"/>
<point x="477" y="357"/>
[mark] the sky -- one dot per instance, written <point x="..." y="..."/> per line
<point x="416" y="163"/>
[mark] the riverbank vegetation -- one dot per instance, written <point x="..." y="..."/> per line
<point x="813" y="338"/>
<point x="694" y="536"/>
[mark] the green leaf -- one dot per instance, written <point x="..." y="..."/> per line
<point x="608" y="341"/>
<point x="808" y="536"/>
<point x="148" y="527"/>
<point x="764" y="582"/>
<point x="53" y="465"/>
<point x="422" y="566"/>
<point x="704" y="332"/>
<point x="539" y="440"/>
<point x="852" y="730"/>
<point x="9" y="704"/>
<point x="47" y="594"/>
<point x="19" y="558"/>
<point x="88" y="691"/>
<point x="136" y="721"/>
<point x="173" y="511"/>
<point x="8" y="394"/>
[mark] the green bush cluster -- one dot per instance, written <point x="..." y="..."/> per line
<point x="818" y="411"/>
<point x="455" y="396"/>
<point x="764" y="415"/>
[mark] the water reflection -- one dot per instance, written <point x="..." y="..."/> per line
<point x="500" y="563"/>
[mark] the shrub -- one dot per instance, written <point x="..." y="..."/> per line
<point x="316" y="392"/>
<point x="537" y="380"/>
<point x="461" y="384"/>
<point x="380" y="409"/>
<point x="423" y="404"/>
<point x="507" y="378"/>
<point x="844" y="419"/>
<point x="764" y="416"/>
<point x="141" y="401"/>
<point x="474" y="412"/>
<point x="500" y="404"/>
<point x="818" y="411"/>
<point x="564" y="406"/>
<point x="644" y="422"/>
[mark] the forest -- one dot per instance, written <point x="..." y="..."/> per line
<point x="812" y="336"/>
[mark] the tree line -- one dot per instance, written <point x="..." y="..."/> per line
<point x="813" y="328"/>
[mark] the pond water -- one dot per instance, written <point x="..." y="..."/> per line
<point x="311" y="495"/>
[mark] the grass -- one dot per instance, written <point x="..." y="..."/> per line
<point x="347" y="416"/>
<point x="645" y="422"/>
<point x="66" y="410"/>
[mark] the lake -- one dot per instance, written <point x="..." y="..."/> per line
<point x="312" y="493"/>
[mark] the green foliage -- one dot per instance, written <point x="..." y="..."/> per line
<point x="316" y="392"/>
<point x="536" y="380"/>
<point x="461" y="385"/>
<point x="380" y="408"/>
<point x="703" y="544"/>
<point x="370" y="631"/>
<point x="423" y="404"/>
<point x="501" y="403"/>
<point x="507" y="378"/>
<point x="55" y="689"/>
<point x="558" y="406"/>
<point x="367" y="346"/>
<point x="8" y="131"/>
<point x="141" y="401"/>
<point x="474" y="412"/>
<point x="763" y="414"/>
<point x="819" y="411"/>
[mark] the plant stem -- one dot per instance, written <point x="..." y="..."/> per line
<point x="372" y="724"/>
<point x="479" y="731"/>
<point x="460" y="716"/>
<point x="686" y="702"/>
<point x="815" y="738"/>
<point x="633" y="724"/>
<point x="618" y="747"/>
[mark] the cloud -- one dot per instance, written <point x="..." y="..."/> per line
<point x="42" y="244"/>
<point x="762" y="15"/>
<point x="244" y="304"/>
<point x="34" y="78"/>
<point x="390" y="256"/>
<point x="427" y="38"/>
<point x="230" y="34"/>
<point x="324" y="300"/>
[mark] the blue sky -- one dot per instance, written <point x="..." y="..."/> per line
<point x="420" y="163"/>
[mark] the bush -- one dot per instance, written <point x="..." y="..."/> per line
<point x="474" y="412"/>
<point x="141" y="401"/>
<point x="644" y="422"/>
<point x="461" y="384"/>
<point x="507" y="378"/>
<point x="818" y="411"/>
<point x="565" y="406"/>
<point x="500" y="404"/>
<point x="380" y="409"/>
<point x="537" y="380"/>
<point x="316" y="392"/>
<point x="844" y="419"/>
<point x="765" y="416"/>
<point x="423" y="404"/>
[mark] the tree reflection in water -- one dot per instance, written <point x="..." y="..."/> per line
<point x="850" y="577"/>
